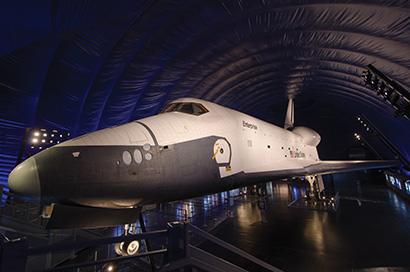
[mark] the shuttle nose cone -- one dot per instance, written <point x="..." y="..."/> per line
<point x="24" y="180"/>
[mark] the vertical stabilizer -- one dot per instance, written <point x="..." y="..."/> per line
<point x="290" y="115"/>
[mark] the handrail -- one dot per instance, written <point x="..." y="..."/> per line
<point x="20" y="209"/>
<point x="93" y="243"/>
<point x="20" y="253"/>
<point x="115" y="259"/>
<point x="231" y="248"/>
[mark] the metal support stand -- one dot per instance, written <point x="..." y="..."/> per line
<point x="262" y="209"/>
<point x="315" y="199"/>
<point x="147" y="243"/>
<point x="316" y="186"/>
<point x="230" y="204"/>
<point x="262" y="204"/>
<point x="311" y="180"/>
<point x="177" y="246"/>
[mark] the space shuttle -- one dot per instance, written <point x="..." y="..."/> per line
<point x="191" y="148"/>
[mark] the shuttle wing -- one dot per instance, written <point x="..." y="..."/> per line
<point x="328" y="167"/>
<point x="302" y="167"/>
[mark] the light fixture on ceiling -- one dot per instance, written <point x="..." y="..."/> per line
<point x="36" y="140"/>
<point x="391" y="91"/>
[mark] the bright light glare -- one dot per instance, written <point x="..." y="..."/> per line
<point x="36" y="134"/>
<point x="35" y="140"/>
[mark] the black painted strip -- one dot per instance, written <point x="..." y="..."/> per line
<point x="150" y="132"/>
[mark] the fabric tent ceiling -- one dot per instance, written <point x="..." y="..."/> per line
<point x="80" y="66"/>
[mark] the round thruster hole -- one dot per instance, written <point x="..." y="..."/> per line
<point x="126" y="157"/>
<point x="146" y="147"/>
<point x="148" y="156"/>
<point x="137" y="156"/>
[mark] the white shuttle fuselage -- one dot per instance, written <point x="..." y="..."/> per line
<point x="192" y="148"/>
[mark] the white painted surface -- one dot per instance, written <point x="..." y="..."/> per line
<point x="253" y="145"/>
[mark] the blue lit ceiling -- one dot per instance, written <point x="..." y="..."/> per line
<point x="80" y="66"/>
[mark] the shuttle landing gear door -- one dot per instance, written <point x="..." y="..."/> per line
<point x="222" y="155"/>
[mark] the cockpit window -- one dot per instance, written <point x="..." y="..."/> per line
<point x="186" y="108"/>
<point x="170" y="108"/>
<point x="189" y="108"/>
<point x="199" y="109"/>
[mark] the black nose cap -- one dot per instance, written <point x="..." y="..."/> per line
<point x="24" y="180"/>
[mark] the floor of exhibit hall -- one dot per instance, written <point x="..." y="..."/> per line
<point x="375" y="235"/>
<point x="372" y="235"/>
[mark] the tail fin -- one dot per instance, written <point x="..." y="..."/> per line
<point x="290" y="115"/>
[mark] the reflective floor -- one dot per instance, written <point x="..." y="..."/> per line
<point x="355" y="238"/>
<point x="370" y="231"/>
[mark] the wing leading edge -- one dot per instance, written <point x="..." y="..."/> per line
<point x="329" y="167"/>
<point x="322" y="167"/>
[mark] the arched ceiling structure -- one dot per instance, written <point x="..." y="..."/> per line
<point x="85" y="65"/>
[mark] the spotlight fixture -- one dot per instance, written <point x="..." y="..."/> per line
<point x="391" y="91"/>
<point x="35" y="140"/>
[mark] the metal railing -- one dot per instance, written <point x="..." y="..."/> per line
<point x="317" y="202"/>
<point x="178" y="252"/>
<point x="18" y="209"/>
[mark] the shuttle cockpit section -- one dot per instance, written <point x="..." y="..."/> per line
<point x="189" y="108"/>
